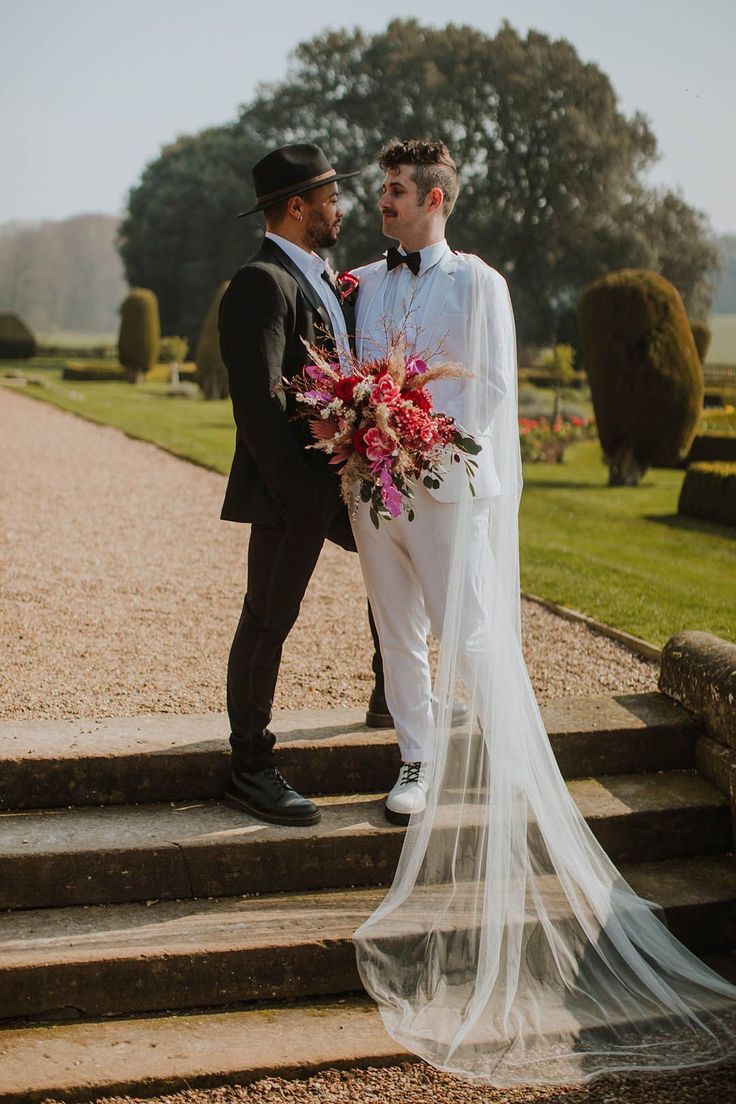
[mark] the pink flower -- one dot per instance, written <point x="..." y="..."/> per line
<point x="326" y="429"/>
<point x="385" y="391"/>
<point x="414" y="366"/>
<point x="379" y="447"/>
<point x="390" y="494"/>
<point x="315" y="373"/>
<point x="317" y="396"/>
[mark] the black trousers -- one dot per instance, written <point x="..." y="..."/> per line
<point x="281" y="560"/>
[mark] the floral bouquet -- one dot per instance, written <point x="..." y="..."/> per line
<point x="377" y="421"/>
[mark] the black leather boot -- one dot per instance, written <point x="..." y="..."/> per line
<point x="266" y="795"/>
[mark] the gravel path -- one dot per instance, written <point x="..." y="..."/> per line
<point x="420" y="1084"/>
<point x="121" y="589"/>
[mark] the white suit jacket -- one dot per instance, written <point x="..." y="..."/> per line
<point x="443" y="326"/>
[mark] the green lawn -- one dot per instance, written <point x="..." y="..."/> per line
<point x="620" y="554"/>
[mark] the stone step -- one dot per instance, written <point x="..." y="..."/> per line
<point x="169" y="955"/>
<point x="147" y="1056"/>
<point x="151" y="1055"/>
<point x="47" y="764"/>
<point x="124" y="853"/>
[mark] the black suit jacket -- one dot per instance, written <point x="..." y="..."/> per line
<point x="267" y="309"/>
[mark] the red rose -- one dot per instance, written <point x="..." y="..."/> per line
<point x="345" y="387"/>
<point x="359" y="441"/>
<point x="420" y="397"/>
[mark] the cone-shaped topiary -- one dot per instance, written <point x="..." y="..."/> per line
<point x="702" y="336"/>
<point x="643" y="368"/>
<point x="211" y="372"/>
<point x="16" y="337"/>
<point x="140" y="333"/>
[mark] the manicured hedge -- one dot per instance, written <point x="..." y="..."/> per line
<point x="709" y="493"/>
<point x="211" y="372"/>
<point x="645" y="376"/>
<point x="161" y="373"/>
<point x="541" y="378"/>
<point x="17" y="341"/>
<point x="140" y="333"/>
<point x="111" y="370"/>
<point x="702" y="336"/>
<point x="92" y="370"/>
<point x="713" y="446"/>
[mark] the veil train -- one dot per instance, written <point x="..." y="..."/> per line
<point x="509" y="947"/>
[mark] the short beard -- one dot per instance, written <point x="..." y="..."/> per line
<point x="320" y="235"/>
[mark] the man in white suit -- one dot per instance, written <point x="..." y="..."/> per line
<point x="425" y="291"/>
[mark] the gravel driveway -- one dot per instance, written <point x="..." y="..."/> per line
<point x="420" y="1084"/>
<point x="121" y="589"/>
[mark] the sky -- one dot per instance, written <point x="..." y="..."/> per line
<point x="92" y="89"/>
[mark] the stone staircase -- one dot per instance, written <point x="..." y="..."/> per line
<point x="153" y="938"/>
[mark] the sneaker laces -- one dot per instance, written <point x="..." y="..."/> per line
<point x="410" y="773"/>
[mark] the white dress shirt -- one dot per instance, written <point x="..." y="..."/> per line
<point x="312" y="265"/>
<point x="405" y="295"/>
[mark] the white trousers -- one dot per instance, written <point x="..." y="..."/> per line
<point x="406" y="569"/>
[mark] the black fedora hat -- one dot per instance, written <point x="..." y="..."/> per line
<point x="289" y="171"/>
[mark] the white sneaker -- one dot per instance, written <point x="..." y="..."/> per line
<point x="409" y="793"/>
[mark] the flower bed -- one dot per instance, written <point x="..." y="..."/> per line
<point x="544" y="442"/>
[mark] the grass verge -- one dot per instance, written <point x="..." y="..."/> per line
<point x="623" y="554"/>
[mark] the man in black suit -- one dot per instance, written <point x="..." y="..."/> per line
<point x="280" y="298"/>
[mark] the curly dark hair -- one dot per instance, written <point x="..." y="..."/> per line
<point x="433" y="167"/>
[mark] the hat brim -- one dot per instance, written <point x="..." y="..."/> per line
<point x="298" y="189"/>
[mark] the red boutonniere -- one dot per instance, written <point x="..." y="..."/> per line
<point x="348" y="287"/>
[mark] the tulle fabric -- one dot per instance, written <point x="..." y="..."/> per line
<point x="509" y="948"/>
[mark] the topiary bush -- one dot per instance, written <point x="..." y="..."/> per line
<point x="211" y="371"/>
<point x="140" y="333"/>
<point x="92" y="370"/>
<point x="713" y="446"/>
<point x="17" y="341"/>
<point x="173" y="350"/>
<point x="709" y="492"/>
<point x="645" y="376"/>
<point x="702" y="336"/>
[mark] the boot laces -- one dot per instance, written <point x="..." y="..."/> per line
<point x="410" y="773"/>
<point x="278" y="779"/>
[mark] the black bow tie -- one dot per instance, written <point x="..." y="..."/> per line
<point x="411" y="260"/>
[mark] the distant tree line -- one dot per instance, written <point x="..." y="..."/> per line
<point x="725" y="300"/>
<point x="64" y="275"/>
<point x="551" y="171"/>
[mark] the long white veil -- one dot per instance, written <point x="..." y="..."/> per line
<point x="509" y="947"/>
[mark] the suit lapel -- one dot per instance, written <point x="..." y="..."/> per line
<point x="346" y="306"/>
<point x="277" y="254"/>
<point x="348" y="313"/>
